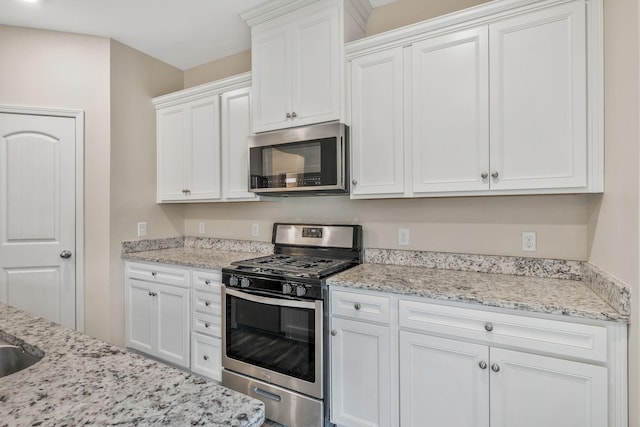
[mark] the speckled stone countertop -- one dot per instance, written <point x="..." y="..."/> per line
<point x="191" y="257"/>
<point x="535" y="294"/>
<point x="84" y="381"/>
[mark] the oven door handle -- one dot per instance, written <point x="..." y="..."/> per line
<point x="283" y="302"/>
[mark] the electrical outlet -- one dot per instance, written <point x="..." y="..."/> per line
<point x="201" y="227"/>
<point x="529" y="243"/>
<point x="255" y="229"/>
<point x="142" y="229"/>
<point x="403" y="236"/>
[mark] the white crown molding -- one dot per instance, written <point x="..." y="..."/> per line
<point x="207" y="89"/>
<point x="272" y="9"/>
<point x="360" y="11"/>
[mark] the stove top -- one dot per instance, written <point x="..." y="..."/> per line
<point x="294" y="265"/>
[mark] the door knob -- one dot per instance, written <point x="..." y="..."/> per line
<point x="65" y="254"/>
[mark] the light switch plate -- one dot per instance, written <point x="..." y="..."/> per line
<point x="255" y="229"/>
<point x="201" y="227"/>
<point x="142" y="229"/>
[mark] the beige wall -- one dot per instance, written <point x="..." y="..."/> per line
<point x="613" y="225"/>
<point x="135" y="79"/>
<point x="51" y="69"/>
<point x="216" y="70"/>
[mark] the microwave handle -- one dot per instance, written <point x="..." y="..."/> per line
<point x="271" y="301"/>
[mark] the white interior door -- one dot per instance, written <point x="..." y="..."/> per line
<point x="37" y="215"/>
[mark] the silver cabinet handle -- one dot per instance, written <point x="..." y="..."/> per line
<point x="205" y="357"/>
<point x="207" y="282"/>
<point x="288" y="115"/>
<point x="334" y="332"/>
<point x="153" y="294"/>
<point x="483" y="364"/>
<point x="354" y="181"/>
<point x="494" y="174"/>
<point x="495" y="367"/>
<point x="488" y="327"/>
<point x="484" y="175"/>
<point x="357" y="306"/>
<point x="294" y="115"/>
<point x="65" y="254"/>
<point x="207" y="303"/>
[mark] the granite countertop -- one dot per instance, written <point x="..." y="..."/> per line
<point x="534" y="294"/>
<point x="84" y="381"/>
<point x="191" y="257"/>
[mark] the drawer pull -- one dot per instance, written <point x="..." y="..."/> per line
<point x="154" y="274"/>
<point x="357" y="306"/>
<point x="205" y="357"/>
<point x="488" y="327"/>
<point x="334" y="332"/>
<point x="207" y="282"/>
<point x="207" y="324"/>
<point x="207" y="303"/>
<point x="495" y="367"/>
<point x="482" y="364"/>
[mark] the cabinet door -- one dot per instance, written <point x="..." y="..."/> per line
<point x="532" y="391"/>
<point x="538" y="99"/>
<point x="172" y="323"/>
<point x="236" y="127"/>
<point x="271" y="74"/>
<point x="206" y="356"/>
<point x="204" y="149"/>
<point x="317" y="67"/>
<point x="377" y="124"/>
<point x="139" y="316"/>
<point x="450" y="97"/>
<point x="360" y="374"/>
<point x="172" y="155"/>
<point x="442" y="382"/>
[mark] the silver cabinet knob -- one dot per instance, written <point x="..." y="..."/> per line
<point x="334" y="332"/>
<point x="494" y="174"/>
<point x="205" y="357"/>
<point x="65" y="254"/>
<point x="354" y="181"/>
<point x="207" y="303"/>
<point x="154" y="274"/>
<point x="294" y="115"/>
<point x="288" y="115"/>
<point x="207" y="282"/>
<point x="495" y="367"/>
<point x="357" y="306"/>
<point x="482" y="364"/>
<point x="207" y="325"/>
<point x="488" y="327"/>
<point x="484" y="175"/>
<point x="153" y="294"/>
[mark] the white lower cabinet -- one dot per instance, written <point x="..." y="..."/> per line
<point x="157" y="317"/>
<point x="398" y="360"/>
<point x="174" y="314"/>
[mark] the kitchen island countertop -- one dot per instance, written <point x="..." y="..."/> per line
<point x="84" y="381"/>
<point x="570" y="298"/>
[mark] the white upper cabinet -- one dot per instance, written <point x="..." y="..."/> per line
<point x="538" y="99"/>
<point x="202" y="146"/>
<point x="450" y="99"/>
<point x="377" y="130"/>
<point x="297" y="57"/>
<point x="504" y="98"/>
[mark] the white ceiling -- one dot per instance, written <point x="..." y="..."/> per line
<point x="183" y="33"/>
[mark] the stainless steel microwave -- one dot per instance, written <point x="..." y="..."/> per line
<point x="302" y="161"/>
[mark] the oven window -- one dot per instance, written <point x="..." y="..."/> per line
<point x="277" y="338"/>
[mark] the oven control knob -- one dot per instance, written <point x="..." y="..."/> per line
<point x="301" y="290"/>
<point x="233" y="281"/>
<point x="286" y="288"/>
<point x="244" y="282"/>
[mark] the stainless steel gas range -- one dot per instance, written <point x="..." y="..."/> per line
<point x="275" y="321"/>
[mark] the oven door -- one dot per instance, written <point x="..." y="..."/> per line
<point x="274" y="339"/>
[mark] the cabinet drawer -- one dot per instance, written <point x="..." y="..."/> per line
<point x="158" y="273"/>
<point x="207" y="303"/>
<point x="208" y="281"/>
<point x="206" y="356"/>
<point x="529" y="333"/>
<point x="206" y="324"/>
<point x="354" y="305"/>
